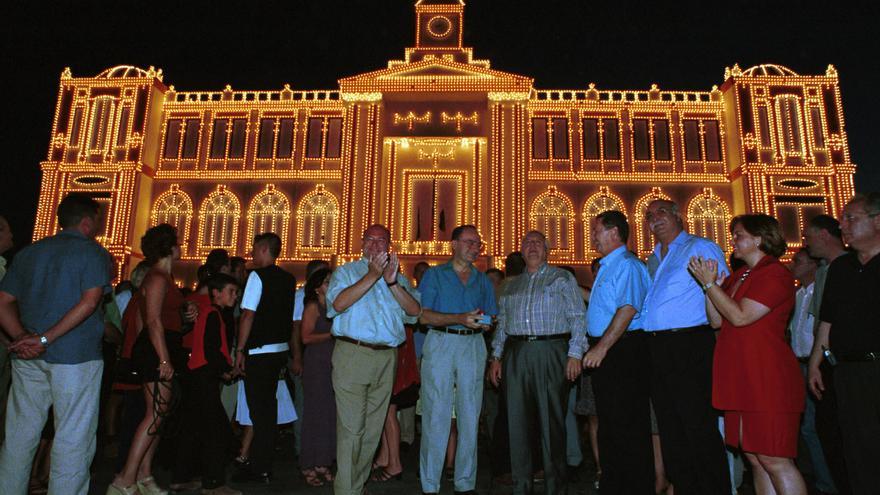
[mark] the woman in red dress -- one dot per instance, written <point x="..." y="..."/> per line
<point x="755" y="378"/>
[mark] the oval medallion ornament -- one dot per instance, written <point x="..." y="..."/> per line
<point x="439" y="27"/>
<point x="798" y="183"/>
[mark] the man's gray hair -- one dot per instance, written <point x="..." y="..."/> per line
<point x="539" y="234"/>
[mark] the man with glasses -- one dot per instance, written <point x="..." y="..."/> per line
<point x="457" y="304"/>
<point x="542" y="319"/>
<point x="369" y="301"/>
<point x="681" y="346"/>
<point x="852" y="293"/>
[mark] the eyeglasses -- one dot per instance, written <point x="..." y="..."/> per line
<point x="849" y="217"/>
<point x="660" y="212"/>
<point x="376" y="240"/>
<point x="471" y="242"/>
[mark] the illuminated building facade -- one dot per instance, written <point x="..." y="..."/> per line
<point x="435" y="140"/>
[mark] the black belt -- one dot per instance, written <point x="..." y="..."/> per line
<point x="628" y="333"/>
<point x="679" y="331"/>
<point x="361" y="343"/>
<point x="804" y="360"/>
<point x="533" y="338"/>
<point x="857" y="357"/>
<point x="458" y="331"/>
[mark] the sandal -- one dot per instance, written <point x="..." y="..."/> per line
<point x="119" y="490"/>
<point x="381" y="475"/>
<point x="311" y="476"/>
<point x="325" y="472"/>
<point x="148" y="486"/>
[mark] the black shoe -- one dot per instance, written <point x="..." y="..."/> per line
<point x="247" y="476"/>
<point x="469" y="492"/>
<point x="573" y="474"/>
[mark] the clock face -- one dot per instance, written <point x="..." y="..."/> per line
<point x="439" y="27"/>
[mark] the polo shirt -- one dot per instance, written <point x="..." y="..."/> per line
<point x="622" y="280"/>
<point x="48" y="279"/>
<point x="442" y="291"/>
<point x="852" y="294"/>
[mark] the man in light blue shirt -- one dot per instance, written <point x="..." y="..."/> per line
<point x="681" y="346"/>
<point x="618" y="353"/>
<point x="369" y="302"/>
<point x="457" y="301"/>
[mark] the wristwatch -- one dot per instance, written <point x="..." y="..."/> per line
<point x="707" y="285"/>
<point x="44" y="341"/>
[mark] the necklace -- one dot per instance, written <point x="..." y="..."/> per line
<point x="745" y="275"/>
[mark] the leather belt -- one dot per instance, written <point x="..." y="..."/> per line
<point x="679" y="331"/>
<point x="628" y="333"/>
<point x="458" y="331"/>
<point x="269" y="349"/>
<point x="533" y="338"/>
<point x="361" y="343"/>
<point x="857" y="357"/>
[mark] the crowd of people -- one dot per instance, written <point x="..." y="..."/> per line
<point x="680" y="366"/>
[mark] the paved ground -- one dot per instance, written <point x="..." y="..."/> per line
<point x="289" y="481"/>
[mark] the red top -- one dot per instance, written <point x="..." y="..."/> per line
<point x="754" y="368"/>
<point x="199" y="355"/>
<point x="203" y="302"/>
<point x="172" y="305"/>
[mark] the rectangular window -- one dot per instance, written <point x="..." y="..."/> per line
<point x="266" y="139"/>
<point x="238" y="138"/>
<point x="285" y="139"/>
<point x="661" y="140"/>
<point x="764" y="127"/>
<point x="77" y="126"/>
<point x="172" y="138"/>
<point x="122" y="133"/>
<point x="713" y="140"/>
<point x="829" y="99"/>
<point x="560" y="139"/>
<point x="816" y="121"/>
<point x="334" y="138"/>
<point x="314" y="137"/>
<point x="591" y="139"/>
<point x="101" y="110"/>
<point x="641" y="144"/>
<point x="191" y="138"/>
<point x="611" y="139"/>
<point x="788" y="110"/>
<point x="540" y="146"/>
<point x="218" y="139"/>
<point x="692" y="151"/>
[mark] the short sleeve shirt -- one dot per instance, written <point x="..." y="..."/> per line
<point x="622" y="281"/>
<point x="852" y="294"/>
<point x="48" y="279"/>
<point x="443" y="291"/>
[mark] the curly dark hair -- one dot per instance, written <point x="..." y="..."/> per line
<point x="312" y="284"/>
<point x="765" y="227"/>
<point x="158" y="242"/>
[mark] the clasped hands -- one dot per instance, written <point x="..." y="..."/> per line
<point x="384" y="265"/>
<point x="27" y="346"/>
<point x="704" y="270"/>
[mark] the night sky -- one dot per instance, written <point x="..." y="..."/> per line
<point x="257" y="45"/>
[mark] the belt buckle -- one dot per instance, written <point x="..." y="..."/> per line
<point x="531" y="338"/>
<point x="873" y="356"/>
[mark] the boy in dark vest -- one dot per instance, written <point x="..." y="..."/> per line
<point x="210" y="363"/>
<point x="264" y="333"/>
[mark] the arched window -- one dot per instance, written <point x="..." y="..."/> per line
<point x="708" y="216"/>
<point x="316" y="219"/>
<point x="604" y="200"/>
<point x="645" y="240"/>
<point x="269" y="212"/>
<point x="218" y="221"/>
<point x="175" y="208"/>
<point x="553" y="214"/>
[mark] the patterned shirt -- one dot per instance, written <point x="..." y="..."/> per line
<point x="377" y="317"/>
<point x="545" y="302"/>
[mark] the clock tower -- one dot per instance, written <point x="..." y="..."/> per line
<point x="439" y="25"/>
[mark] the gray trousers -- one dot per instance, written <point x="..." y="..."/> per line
<point x="537" y="394"/>
<point x="73" y="390"/>
<point x="452" y="374"/>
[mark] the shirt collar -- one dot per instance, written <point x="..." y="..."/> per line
<point x="679" y="239"/>
<point x="613" y="255"/>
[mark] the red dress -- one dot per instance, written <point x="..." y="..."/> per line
<point x="756" y="378"/>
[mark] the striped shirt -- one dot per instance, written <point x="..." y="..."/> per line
<point x="545" y="302"/>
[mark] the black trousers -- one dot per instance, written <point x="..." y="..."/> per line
<point x="260" y="385"/>
<point x="624" y="411"/>
<point x="858" y="407"/>
<point x="681" y="391"/>
<point x="828" y="431"/>
<point x="206" y="434"/>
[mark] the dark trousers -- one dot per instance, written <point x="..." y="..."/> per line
<point x="260" y="385"/>
<point x="624" y="411"/>
<point x="828" y="431"/>
<point x="681" y="391"/>
<point x="537" y="393"/>
<point x="858" y="407"/>
<point x="206" y="432"/>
